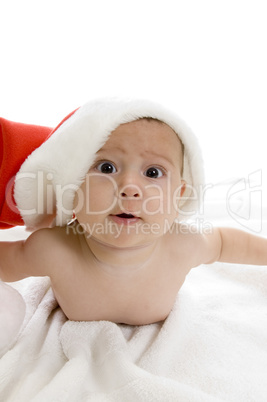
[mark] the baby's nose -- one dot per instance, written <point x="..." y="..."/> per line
<point x="130" y="191"/>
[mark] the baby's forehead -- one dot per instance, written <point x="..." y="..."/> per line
<point x="148" y="126"/>
<point x="146" y="137"/>
<point x="146" y="131"/>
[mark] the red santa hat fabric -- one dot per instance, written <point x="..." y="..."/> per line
<point x="47" y="180"/>
<point x="17" y="141"/>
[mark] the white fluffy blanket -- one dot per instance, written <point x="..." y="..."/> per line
<point x="212" y="347"/>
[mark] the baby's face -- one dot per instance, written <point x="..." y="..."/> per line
<point x="132" y="190"/>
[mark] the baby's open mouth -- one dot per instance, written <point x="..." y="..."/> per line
<point x="126" y="216"/>
<point x="125" y="219"/>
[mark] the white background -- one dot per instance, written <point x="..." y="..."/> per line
<point x="205" y="59"/>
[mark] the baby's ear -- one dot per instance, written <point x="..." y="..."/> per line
<point x="182" y="189"/>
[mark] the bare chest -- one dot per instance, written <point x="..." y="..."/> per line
<point x="134" y="298"/>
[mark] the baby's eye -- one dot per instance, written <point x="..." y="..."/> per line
<point x="154" y="172"/>
<point x="106" y="167"/>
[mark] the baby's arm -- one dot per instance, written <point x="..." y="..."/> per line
<point x="236" y="246"/>
<point x="21" y="259"/>
<point x="12" y="265"/>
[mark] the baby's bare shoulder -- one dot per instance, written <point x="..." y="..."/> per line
<point x="48" y="248"/>
<point x="33" y="256"/>
<point x="43" y="238"/>
<point x="192" y="244"/>
<point x="185" y="234"/>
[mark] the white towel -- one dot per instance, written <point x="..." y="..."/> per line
<point x="12" y="312"/>
<point x="212" y="347"/>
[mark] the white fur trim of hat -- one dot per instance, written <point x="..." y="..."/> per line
<point x="47" y="181"/>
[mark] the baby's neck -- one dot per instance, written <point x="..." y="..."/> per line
<point x="121" y="259"/>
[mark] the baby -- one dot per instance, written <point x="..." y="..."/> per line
<point x="125" y="254"/>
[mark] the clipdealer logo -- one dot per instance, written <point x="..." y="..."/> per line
<point x="244" y="201"/>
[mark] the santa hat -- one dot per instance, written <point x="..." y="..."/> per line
<point x="47" y="181"/>
<point x="17" y="141"/>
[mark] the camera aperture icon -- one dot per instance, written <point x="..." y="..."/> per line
<point x="244" y="201"/>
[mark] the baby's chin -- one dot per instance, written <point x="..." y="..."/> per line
<point x="122" y="241"/>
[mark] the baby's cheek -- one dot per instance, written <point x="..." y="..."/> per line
<point x="151" y="201"/>
<point x="97" y="195"/>
<point x="100" y="202"/>
<point x="158" y="201"/>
